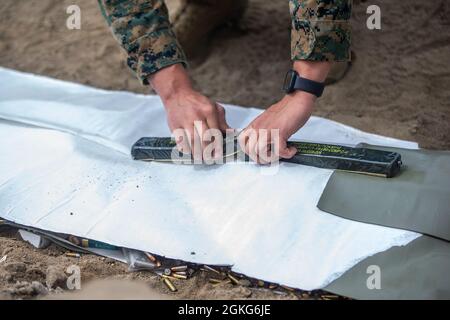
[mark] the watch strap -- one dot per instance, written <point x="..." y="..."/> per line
<point x="310" y="86"/>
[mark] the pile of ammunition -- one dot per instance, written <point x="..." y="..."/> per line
<point x="174" y="270"/>
<point x="223" y="275"/>
<point x="168" y="270"/>
<point x="174" y="273"/>
<point x="171" y="271"/>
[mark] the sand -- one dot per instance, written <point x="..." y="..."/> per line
<point x="398" y="86"/>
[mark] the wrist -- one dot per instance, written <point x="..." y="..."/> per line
<point x="313" y="70"/>
<point x="171" y="82"/>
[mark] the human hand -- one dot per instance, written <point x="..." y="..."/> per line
<point x="189" y="113"/>
<point x="265" y="138"/>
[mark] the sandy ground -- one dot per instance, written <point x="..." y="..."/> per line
<point x="28" y="273"/>
<point x="398" y="86"/>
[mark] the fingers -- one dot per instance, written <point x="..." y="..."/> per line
<point x="190" y="139"/>
<point x="194" y="132"/>
<point x="183" y="144"/>
<point x="204" y="143"/>
<point x="212" y="120"/>
<point x="216" y="120"/>
<point x="247" y="139"/>
<point x="200" y="129"/>
<point x="285" y="151"/>
<point x="265" y="146"/>
<point x="268" y="147"/>
<point x="223" y="125"/>
<point x="213" y="152"/>
<point x="195" y="136"/>
<point x="262" y="146"/>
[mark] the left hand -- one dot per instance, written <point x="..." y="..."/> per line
<point x="287" y="116"/>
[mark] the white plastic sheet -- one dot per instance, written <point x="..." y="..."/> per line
<point x="65" y="167"/>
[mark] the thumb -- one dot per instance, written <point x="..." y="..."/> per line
<point x="287" y="152"/>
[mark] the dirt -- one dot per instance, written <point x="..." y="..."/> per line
<point x="398" y="86"/>
<point x="28" y="272"/>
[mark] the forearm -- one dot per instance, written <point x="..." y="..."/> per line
<point x="320" y="30"/>
<point x="143" y="30"/>
<point x="301" y="102"/>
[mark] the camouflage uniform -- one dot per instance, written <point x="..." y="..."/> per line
<point x="320" y="32"/>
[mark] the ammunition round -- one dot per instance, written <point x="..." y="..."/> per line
<point x="179" y="276"/>
<point x="179" y="268"/>
<point x="85" y="243"/>
<point x="213" y="280"/>
<point x="143" y="264"/>
<point x="223" y="282"/>
<point x="169" y="285"/>
<point x="72" y="255"/>
<point x="169" y="277"/>
<point x="233" y="279"/>
<point x="208" y="268"/>
<point x="151" y="257"/>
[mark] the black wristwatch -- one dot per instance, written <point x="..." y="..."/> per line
<point x="294" y="82"/>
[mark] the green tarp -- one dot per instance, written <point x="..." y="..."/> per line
<point x="419" y="270"/>
<point x="418" y="199"/>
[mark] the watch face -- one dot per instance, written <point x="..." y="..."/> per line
<point x="289" y="81"/>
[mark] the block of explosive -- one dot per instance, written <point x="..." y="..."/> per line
<point x="328" y="156"/>
<point x="360" y="160"/>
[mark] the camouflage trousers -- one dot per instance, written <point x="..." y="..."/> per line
<point x="151" y="36"/>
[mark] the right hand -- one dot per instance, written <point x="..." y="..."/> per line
<point x="187" y="109"/>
